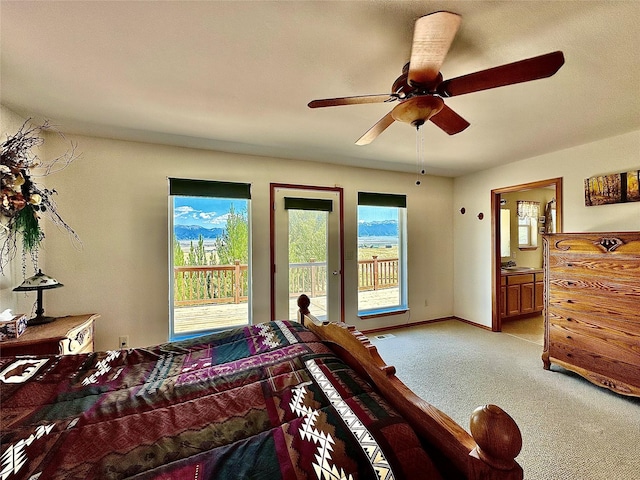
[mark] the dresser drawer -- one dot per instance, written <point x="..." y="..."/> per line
<point x="596" y="244"/>
<point x="587" y="353"/>
<point x="625" y="276"/>
<point x="605" y="372"/>
<point x="613" y="296"/>
<point x="598" y="336"/>
<point x="79" y="339"/>
<point x="587" y="258"/>
<point x="604" y="313"/>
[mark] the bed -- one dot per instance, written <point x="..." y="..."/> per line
<point x="277" y="400"/>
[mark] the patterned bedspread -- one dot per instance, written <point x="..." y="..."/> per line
<point x="268" y="402"/>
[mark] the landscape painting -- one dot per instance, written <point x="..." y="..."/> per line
<point x="615" y="188"/>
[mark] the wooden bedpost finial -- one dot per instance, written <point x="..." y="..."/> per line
<point x="497" y="436"/>
<point x="303" y="304"/>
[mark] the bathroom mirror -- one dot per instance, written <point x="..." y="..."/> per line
<point x="505" y="232"/>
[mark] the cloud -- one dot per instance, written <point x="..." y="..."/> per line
<point x="182" y="211"/>
<point x="198" y="216"/>
<point x="220" y="220"/>
<point x="211" y="218"/>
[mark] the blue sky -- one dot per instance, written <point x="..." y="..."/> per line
<point x="212" y="212"/>
<point x="204" y="211"/>
<point x="377" y="214"/>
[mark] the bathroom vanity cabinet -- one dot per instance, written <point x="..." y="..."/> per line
<point x="521" y="292"/>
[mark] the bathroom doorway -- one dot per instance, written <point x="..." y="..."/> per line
<point x="498" y="247"/>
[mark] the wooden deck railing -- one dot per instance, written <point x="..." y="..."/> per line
<point x="200" y="285"/>
<point x="308" y="277"/>
<point x="207" y="284"/>
<point x="375" y="274"/>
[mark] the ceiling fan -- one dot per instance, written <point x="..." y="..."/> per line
<point x="420" y="89"/>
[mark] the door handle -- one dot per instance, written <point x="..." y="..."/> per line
<point x="336" y="272"/>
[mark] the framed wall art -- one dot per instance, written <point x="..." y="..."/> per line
<point x="614" y="188"/>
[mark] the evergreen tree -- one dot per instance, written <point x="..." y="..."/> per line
<point x="191" y="258"/>
<point x="234" y="243"/>
<point x="198" y="257"/>
<point x="201" y="255"/>
<point x="178" y="260"/>
<point x="197" y="254"/>
<point x="178" y="254"/>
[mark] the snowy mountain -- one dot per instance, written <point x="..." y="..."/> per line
<point x="386" y="228"/>
<point x="193" y="232"/>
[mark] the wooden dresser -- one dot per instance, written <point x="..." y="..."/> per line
<point x="592" y="307"/>
<point x="66" y="335"/>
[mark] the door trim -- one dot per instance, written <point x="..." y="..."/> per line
<point x="272" y="246"/>
<point x="496" y="320"/>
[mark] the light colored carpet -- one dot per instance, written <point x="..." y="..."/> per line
<point x="572" y="429"/>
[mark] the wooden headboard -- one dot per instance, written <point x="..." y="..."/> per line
<point x="488" y="453"/>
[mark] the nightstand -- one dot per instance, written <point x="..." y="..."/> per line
<point x="66" y="335"/>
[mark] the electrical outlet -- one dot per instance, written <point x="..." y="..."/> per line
<point x="123" y="341"/>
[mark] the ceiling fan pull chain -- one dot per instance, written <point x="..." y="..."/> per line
<point x="420" y="153"/>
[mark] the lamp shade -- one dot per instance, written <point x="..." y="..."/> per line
<point x="39" y="280"/>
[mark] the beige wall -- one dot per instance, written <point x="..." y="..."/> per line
<point x="472" y="237"/>
<point x="115" y="197"/>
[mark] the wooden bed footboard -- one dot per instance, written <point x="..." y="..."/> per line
<point x="488" y="453"/>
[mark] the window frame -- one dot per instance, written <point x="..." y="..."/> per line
<point x="527" y="214"/>
<point x="182" y="187"/>
<point x="399" y="201"/>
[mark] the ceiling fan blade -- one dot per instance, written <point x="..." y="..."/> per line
<point x="334" y="102"/>
<point x="449" y="121"/>
<point x="534" y="68"/>
<point x="432" y="37"/>
<point x="376" y="130"/>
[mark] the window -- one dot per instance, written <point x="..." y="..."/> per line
<point x="209" y="237"/>
<point x="528" y="213"/>
<point x="382" y="271"/>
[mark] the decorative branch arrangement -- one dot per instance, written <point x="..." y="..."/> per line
<point x="23" y="202"/>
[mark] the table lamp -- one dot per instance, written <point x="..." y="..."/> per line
<point x="39" y="282"/>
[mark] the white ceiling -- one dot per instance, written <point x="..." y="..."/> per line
<point x="237" y="75"/>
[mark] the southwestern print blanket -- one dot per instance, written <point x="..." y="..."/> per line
<point x="268" y="401"/>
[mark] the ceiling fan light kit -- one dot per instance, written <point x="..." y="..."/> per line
<point x="420" y="89"/>
<point x="417" y="110"/>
